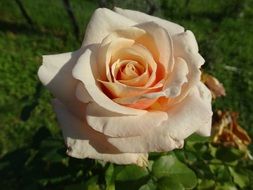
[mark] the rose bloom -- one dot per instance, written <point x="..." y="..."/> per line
<point x="132" y="88"/>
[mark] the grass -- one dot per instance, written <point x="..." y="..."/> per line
<point x="223" y="29"/>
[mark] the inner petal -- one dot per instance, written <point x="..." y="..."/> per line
<point x="129" y="71"/>
<point x="120" y="77"/>
<point x="139" y="54"/>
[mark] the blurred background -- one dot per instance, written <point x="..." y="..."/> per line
<point x="32" y="152"/>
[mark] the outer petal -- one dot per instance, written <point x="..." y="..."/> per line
<point x="184" y="119"/>
<point x="139" y="17"/>
<point x="116" y="125"/>
<point x="194" y="113"/>
<point x="56" y="74"/>
<point x="102" y="23"/>
<point x="205" y="94"/>
<point x="86" y="72"/>
<point x="83" y="142"/>
<point x="186" y="47"/>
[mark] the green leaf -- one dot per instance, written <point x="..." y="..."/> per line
<point x="92" y="184"/>
<point x="221" y="172"/>
<point x="228" y="154"/>
<point x="77" y="186"/>
<point x="206" y="184"/>
<point x="240" y="179"/>
<point x="225" y="186"/>
<point x="197" y="138"/>
<point x="109" y="178"/>
<point x="149" y="186"/>
<point x="169" y="183"/>
<point x="170" y="166"/>
<point x="131" y="172"/>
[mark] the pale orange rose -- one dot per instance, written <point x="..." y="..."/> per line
<point x="132" y="88"/>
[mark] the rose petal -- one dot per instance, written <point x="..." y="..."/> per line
<point x="117" y="125"/>
<point x="156" y="140"/>
<point x="105" y="53"/>
<point x="121" y="90"/>
<point x="176" y="80"/>
<point x="82" y="94"/>
<point x="140" y="54"/>
<point x="83" y="142"/>
<point x="172" y="88"/>
<point x="185" y="46"/>
<point x="185" y="42"/>
<point x="139" y="17"/>
<point x="183" y="120"/>
<point x="138" y="81"/>
<point x="55" y="74"/>
<point x="163" y="44"/>
<point x="205" y="94"/>
<point x="85" y="72"/>
<point x="102" y="23"/>
<point x="195" y="113"/>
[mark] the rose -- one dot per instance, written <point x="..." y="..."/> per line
<point x="132" y="88"/>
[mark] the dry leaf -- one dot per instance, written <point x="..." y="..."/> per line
<point x="228" y="132"/>
<point x="213" y="84"/>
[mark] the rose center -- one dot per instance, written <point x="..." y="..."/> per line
<point x="127" y="69"/>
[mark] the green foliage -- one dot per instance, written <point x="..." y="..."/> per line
<point x="168" y="169"/>
<point x="32" y="150"/>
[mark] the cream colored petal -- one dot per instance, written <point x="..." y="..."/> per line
<point x="82" y="94"/>
<point x="185" y="42"/>
<point x="86" y="72"/>
<point x="163" y="43"/>
<point x="84" y="142"/>
<point x="56" y="74"/>
<point x="102" y="23"/>
<point x="184" y="119"/>
<point x="117" y="125"/>
<point x="185" y="46"/>
<point x="195" y="112"/>
<point x="156" y="140"/>
<point x="206" y="96"/>
<point x="140" y="17"/>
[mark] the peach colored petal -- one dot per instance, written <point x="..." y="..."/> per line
<point x="184" y="119"/>
<point x="55" y="74"/>
<point x="163" y="43"/>
<point x="116" y="125"/>
<point x="127" y="32"/>
<point x="84" y="142"/>
<point x="86" y="72"/>
<point x="172" y="87"/>
<point x="172" y="28"/>
<point x="141" y="72"/>
<point x="140" y="54"/>
<point x="142" y="103"/>
<point x="117" y="90"/>
<point x="102" y="23"/>
<point x="105" y="53"/>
